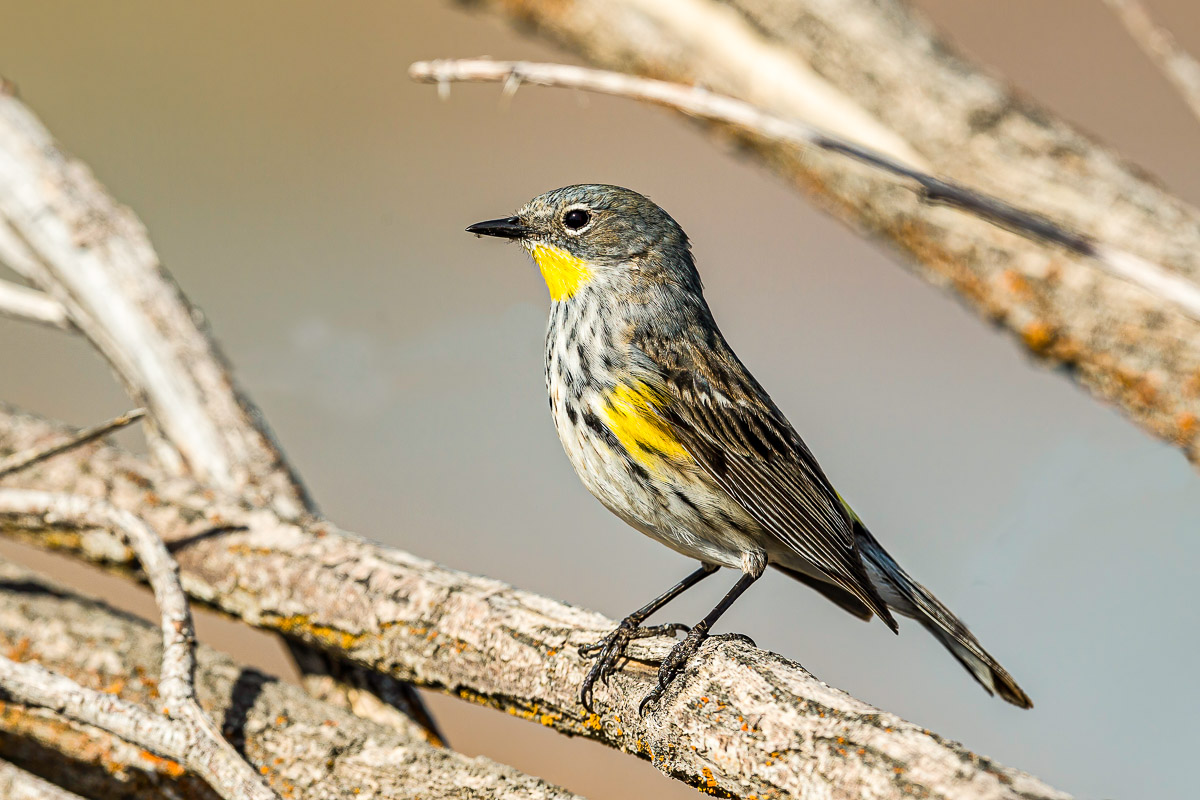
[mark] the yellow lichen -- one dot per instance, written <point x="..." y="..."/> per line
<point x="302" y="625"/>
<point x="1038" y="336"/>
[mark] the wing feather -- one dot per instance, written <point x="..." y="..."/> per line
<point x="733" y="430"/>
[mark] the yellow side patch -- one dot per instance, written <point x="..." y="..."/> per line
<point x="633" y="418"/>
<point x="563" y="272"/>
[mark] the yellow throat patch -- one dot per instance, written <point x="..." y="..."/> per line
<point x="632" y="416"/>
<point x="563" y="272"/>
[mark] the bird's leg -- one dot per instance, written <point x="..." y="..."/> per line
<point x="677" y="659"/>
<point x="608" y="651"/>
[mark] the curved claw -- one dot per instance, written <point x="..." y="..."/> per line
<point x="609" y="650"/>
<point x="589" y="650"/>
<point x="653" y="697"/>
<point x="674" y="664"/>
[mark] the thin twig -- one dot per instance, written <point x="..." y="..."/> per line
<point x="1178" y="65"/>
<point x="19" y="461"/>
<point x="30" y="305"/>
<point x="184" y="732"/>
<point x="703" y="104"/>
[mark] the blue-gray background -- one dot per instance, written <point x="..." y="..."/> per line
<point x="312" y="201"/>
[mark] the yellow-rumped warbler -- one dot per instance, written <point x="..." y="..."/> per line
<point x="667" y="428"/>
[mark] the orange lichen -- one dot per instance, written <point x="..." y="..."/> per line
<point x="247" y="550"/>
<point x="20" y="651"/>
<point x="302" y="625"/>
<point x="1016" y="283"/>
<point x="166" y="766"/>
<point x="1186" y="425"/>
<point x="1038" y="336"/>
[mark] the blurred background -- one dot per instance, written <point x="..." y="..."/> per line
<point x="311" y="200"/>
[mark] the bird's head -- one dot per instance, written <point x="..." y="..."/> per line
<point x="598" y="235"/>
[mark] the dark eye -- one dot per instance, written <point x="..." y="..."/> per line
<point x="576" y="218"/>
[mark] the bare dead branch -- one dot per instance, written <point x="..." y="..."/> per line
<point x="1175" y="63"/>
<point x="33" y="685"/>
<point x="882" y="58"/>
<point x="183" y="732"/>
<point x="30" y="305"/>
<point x="64" y="233"/>
<point x="741" y="721"/>
<point x="767" y="726"/>
<point x="93" y="257"/>
<point x="307" y="749"/>
<point x="17" y="784"/>
<point x="19" y="461"/>
<point x="698" y="102"/>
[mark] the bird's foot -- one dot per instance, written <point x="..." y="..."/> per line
<point x="672" y="665"/>
<point x="609" y="650"/>
<point x="678" y="658"/>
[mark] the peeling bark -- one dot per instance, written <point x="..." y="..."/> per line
<point x="303" y="747"/>
<point x="740" y="722"/>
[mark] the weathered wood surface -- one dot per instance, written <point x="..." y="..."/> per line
<point x="91" y="257"/>
<point x="177" y="727"/>
<point x="876" y="72"/>
<point x="305" y="748"/>
<point x="740" y="721"/>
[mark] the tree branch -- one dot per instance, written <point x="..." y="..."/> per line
<point x="184" y="732"/>
<point x="93" y="257"/>
<point x="1170" y="288"/>
<point x="32" y="685"/>
<point x="64" y="233"/>
<point x="741" y="721"/>
<point x="879" y="57"/>
<point x="1179" y="67"/>
<point x="31" y="305"/>
<point x="308" y="750"/>
<point x="17" y="784"/>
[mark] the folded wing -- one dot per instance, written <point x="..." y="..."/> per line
<point x="733" y="430"/>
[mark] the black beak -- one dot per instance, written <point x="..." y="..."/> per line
<point x="509" y="228"/>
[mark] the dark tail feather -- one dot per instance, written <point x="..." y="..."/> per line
<point x="929" y="611"/>
<point x="836" y="594"/>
